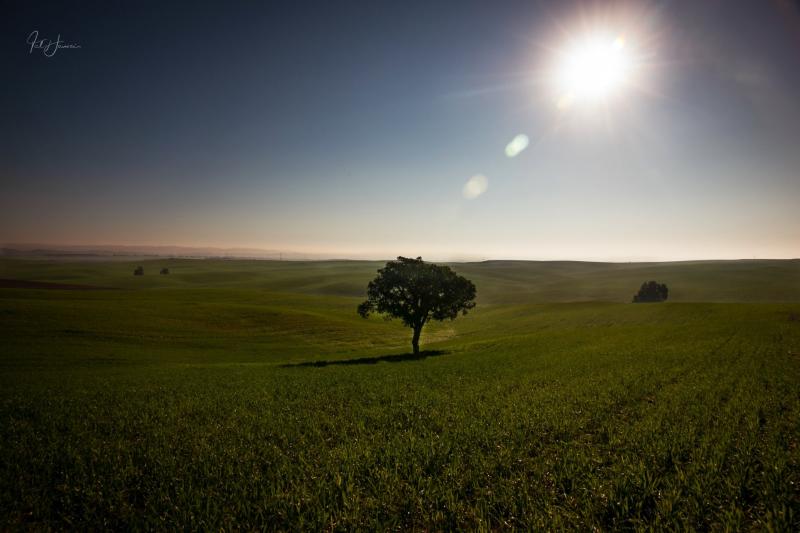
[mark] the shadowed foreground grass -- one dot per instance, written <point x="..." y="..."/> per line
<point x="395" y="358"/>
<point x="210" y="407"/>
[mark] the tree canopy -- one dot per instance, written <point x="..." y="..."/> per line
<point x="651" y="291"/>
<point x="416" y="292"/>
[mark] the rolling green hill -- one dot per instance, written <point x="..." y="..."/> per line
<point x="249" y="395"/>
<point x="498" y="281"/>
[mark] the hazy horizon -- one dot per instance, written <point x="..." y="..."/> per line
<point x="377" y="129"/>
<point x="161" y="250"/>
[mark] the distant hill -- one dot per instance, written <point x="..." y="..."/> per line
<point x="497" y="281"/>
<point x="114" y="251"/>
<point x="709" y="281"/>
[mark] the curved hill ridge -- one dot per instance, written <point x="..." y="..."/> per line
<point x="497" y="281"/>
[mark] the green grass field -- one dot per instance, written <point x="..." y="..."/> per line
<point x="250" y="395"/>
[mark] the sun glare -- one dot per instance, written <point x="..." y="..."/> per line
<point x="593" y="69"/>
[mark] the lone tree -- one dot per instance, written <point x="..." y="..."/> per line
<point x="651" y="291"/>
<point x="415" y="292"/>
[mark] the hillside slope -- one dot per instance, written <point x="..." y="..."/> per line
<point x="497" y="281"/>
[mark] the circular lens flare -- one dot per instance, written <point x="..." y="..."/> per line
<point x="475" y="186"/>
<point x="517" y="145"/>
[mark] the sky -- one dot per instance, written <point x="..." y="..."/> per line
<point x="380" y="128"/>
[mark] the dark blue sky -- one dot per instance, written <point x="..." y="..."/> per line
<point x="351" y="128"/>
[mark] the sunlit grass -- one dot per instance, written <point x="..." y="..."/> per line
<point x="172" y="408"/>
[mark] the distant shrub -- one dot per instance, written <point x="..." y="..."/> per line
<point x="164" y="271"/>
<point x="139" y="271"/>
<point x="651" y="291"/>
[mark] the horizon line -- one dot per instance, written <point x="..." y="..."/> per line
<point x="273" y="254"/>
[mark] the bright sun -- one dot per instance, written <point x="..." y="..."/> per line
<point x="593" y="69"/>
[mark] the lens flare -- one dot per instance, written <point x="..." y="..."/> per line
<point x="517" y="145"/>
<point x="475" y="186"/>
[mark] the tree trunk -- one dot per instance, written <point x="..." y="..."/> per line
<point x="415" y="339"/>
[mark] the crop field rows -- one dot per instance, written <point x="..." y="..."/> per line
<point x="208" y="404"/>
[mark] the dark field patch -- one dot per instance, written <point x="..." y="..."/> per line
<point x="394" y="358"/>
<point x="24" y="284"/>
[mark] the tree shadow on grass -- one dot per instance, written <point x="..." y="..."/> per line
<point x="397" y="358"/>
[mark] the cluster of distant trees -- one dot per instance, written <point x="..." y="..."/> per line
<point x="139" y="271"/>
<point x="651" y="291"/>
